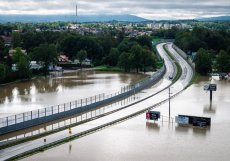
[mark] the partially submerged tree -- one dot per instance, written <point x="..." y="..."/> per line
<point x="46" y="54"/>
<point x="2" y="72"/>
<point x="22" y="62"/>
<point x="203" y="62"/>
<point x="81" y="55"/>
<point x="223" y="62"/>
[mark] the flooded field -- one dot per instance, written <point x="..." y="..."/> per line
<point x="42" y="92"/>
<point x="138" y="139"/>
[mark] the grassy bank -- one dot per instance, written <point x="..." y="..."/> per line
<point x="179" y="69"/>
<point x="108" y="68"/>
<point x="178" y="73"/>
<point x="195" y="78"/>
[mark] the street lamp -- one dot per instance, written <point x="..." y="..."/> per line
<point x="170" y="102"/>
<point x="170" y="78"/>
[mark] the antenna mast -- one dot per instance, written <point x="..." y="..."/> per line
<point x="76" y="10"/>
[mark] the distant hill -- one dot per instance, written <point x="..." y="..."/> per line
<point x="221" y="18"/>
<point x="69" y="18"/>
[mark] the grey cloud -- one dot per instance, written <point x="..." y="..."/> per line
<point x="189" y="8"/>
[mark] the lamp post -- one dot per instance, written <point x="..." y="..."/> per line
<point x="170" y="102"/>
<point x="170" y="78"/>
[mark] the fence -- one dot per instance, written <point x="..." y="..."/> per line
<point x="185" y="56"/>
<point x="40" y="116"/>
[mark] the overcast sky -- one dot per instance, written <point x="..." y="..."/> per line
<point x="151" y="9"/>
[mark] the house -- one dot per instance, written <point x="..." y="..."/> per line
<point x="85" y="62"/>
<point x="12" y="51"/>
<point x="7" y="40"/>
<point x="35" y="66"/>
<point x="76" y="61"/>
<point x="55" y="68"/>
<point x="63" y="58"/>
<point x="14" y="67"/>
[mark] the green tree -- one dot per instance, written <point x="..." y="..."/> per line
<point x="16" y="39"/>
<point x="23" y="67"/>
<point x="81" y="55"/>
<point x="113" y="57"/>
<point x="124" y="61"/>
<point x="120" y="36"/>
<point x="17" y="55"/>
<point x="223" y="61"/>
<point x="135" y="57"/>
<point x="2" y="48"/>
<point x="46" y="54"/>
<point x="148" y="59"/>
<point x="22" y="62"/>
<point x="203" y="62"/>
<point x="2" y="72"/>
<point x="145" y="41"/>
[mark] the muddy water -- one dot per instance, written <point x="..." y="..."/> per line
<point x="43" y="92"/>
<point x="137" y="139"/>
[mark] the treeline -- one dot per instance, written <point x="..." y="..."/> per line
<point x="210" y="48"/>
<point x="110" y="48"/>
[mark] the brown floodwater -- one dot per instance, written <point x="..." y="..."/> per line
<point x="141" y="140"/>
<point x="47" y="91"/>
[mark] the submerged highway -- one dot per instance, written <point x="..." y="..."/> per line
<point x="147" y="99"/>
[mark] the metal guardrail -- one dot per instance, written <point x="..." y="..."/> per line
<point x="40" y="116"/>
<point x="184" y="55"/>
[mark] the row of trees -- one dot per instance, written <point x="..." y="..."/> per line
<point x="137" y="58"/>
<point x="107" y="48"/>
<point x="192" y="41"/>
<point x="211" y="45"/>
<point x="45" y="53"/>
<point x="22" y="63"/>
<point x="212" y="48"/>
<point x="206" y="61"/>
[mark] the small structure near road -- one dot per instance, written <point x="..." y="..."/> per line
<point x="153" y="115"/>
<point x="210" y="87"/>
<point x="62" y="58"/>
<point x="193" y="120"/>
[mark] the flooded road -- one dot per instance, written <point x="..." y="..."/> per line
<point x="137" y="139"/>
<point x="42" y="92"/>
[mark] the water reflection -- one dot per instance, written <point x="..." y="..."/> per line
<point x="200" y="131"/>
<point x="184" y="143"/>
<point x="211" y="109"/>
<point x="196" y="130"/>
<point x="182" y="129"/>
<point x="70" y="148"/>
<point x="64" y="123"/>
<point x="27" y="91"/>
<point x="152" y="126"/>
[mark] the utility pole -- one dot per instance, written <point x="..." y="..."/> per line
<point x="76" y="10"/>
<point x="169" y="104"/>
<point x="210" y="95"/>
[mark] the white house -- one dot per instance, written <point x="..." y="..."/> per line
<point x="34" y="65"/>
<point x="86" y="62"/>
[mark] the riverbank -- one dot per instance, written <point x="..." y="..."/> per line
<point x="108" y="68"/>
<point x="20" y="80"/>
<point x="41" y="75"/>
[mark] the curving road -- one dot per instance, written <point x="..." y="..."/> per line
<point x="187" y="71"/>
<point x="170" y="70"/>
<point x="170" y="67"/>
